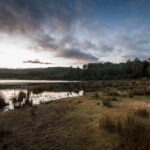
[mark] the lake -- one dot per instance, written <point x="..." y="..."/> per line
<point x="34" y="81"/>
<point x="40" y="90"/>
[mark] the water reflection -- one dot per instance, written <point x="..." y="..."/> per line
<point x="9" y="94"/>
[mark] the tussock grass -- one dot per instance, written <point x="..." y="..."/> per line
<point x="133" y="133"/>
<point x="4" y="132"/>
<point x="2" y="101"/>
<point x="107" y="100"/>
<point x="96" y="95"/>
<point x="107" y="124"/>
<point x="142" y="112"/>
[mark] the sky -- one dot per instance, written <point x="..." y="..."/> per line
<point x="47" y="33"/>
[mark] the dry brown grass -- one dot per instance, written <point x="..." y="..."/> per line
<point x="71" y="123"/>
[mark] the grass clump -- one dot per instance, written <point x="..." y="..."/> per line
<point x="4" y="132"/>
<point x="2" y="101"/>
<point x="133" y="133"/>
<point x="113" y="93"/>
<point x="107" y="124"/>
<point x="142" y="112"/>
<point x="96" y="95"/>
<point x="130" y="94"/>
<point x="106" y="103"/>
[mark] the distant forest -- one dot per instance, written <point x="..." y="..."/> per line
<point x="135" y="69"/>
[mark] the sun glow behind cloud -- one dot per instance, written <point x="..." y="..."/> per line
<point x="42" y="33"/>
<point x="14" y="50"/>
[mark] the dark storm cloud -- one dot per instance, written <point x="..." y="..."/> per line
<point x="77" y="54"/>
<point x="79" y="30"/>
<point x="13" y="12"/>
<point x="42" y="22"/>
<point x="36" y="61"/>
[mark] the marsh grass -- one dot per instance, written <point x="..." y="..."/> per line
<point x="78" y="123"/>
<point x="107" y="124"/>
<point x="4" y="132"/>
<point x="133" y="133"/>
<point x="107" y="100"/>
<point x="96" y="95"/>
<point x="2" y="101"/>
<point x="106" y="103"/>
<point x="142" y="112"/>
<point x="113" y="93"/>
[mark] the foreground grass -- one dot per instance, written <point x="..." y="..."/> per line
<point x="69" y="124"/>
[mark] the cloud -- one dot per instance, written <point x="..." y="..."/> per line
<point x="47" y="23"/>
<point x="78" y="55"/>
<point x="76" y="30"/>
<point x="26" y="15"/>
<point x="36" y="61"/>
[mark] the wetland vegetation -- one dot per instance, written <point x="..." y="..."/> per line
<point x="111" y="115"/>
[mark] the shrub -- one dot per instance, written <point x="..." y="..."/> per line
<point x="114" y="99"/>
<point x="21" y="96"/>
<point x="142" y="112"/>
<point x="133" y="133"/>
<point x="96" y="95"/>
<point x="4" y="132"/>
<point x="2" y="101"/>
<point x="106" y="103"/>
<point x="113" y="93"/>
<point x="37" y="90"/>
<point x="33" y="112"/>
<point x="107" y="124"/>
<point x="130" y="94"/>
<point x="138" y="91"/>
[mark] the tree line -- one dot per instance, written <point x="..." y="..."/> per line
<point x="135" y="69"/>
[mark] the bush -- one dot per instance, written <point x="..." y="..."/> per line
<point x="96" y="95"/>
<point x="142" y="112"/>
<point x="130" y="94"/>
<point x="133" y="133"/>
<point x="138" y="91"/>
<point x="106" y="103"/>
<point x="21" y="96"/>
<point x="113" y="93"/>
<point x="2" y="101"/>
<point x="107" y="124"/>
<point x="4" y="132"/>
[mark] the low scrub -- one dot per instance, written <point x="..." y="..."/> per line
<point x="113" y="93"/>
<point x="96" y="95"/>
<point x="4" y="132"/>
<point x="133" y="133"/>
<point x="142" y="112"/>
<point x="130" y="94"/>
<point x="2" y="101"/>
<point x="107" y="100"/>
<point x="106" y="103"/>
<point x="107" y="124"/>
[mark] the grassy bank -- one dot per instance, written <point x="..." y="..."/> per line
<point x="83" y="123"/>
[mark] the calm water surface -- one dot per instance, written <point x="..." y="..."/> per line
<point x="36" y="98"/>
<point x="34" y="81"/>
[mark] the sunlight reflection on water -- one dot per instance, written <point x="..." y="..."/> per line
<point x="36" y="98"/>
